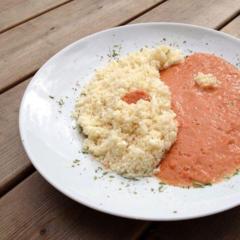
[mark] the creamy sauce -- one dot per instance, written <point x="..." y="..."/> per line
<point x="135" y="96"/>
<point x="208" y="142"/>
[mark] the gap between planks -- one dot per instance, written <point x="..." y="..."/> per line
<point x="229" y="20"/>
<point x="13" y="25"/>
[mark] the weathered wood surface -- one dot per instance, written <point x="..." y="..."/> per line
<point x="233" y="27"/>
<point x="223" y="226"/>
<point x="14" y="12"/>
<point x="13" y="160"/>
<point x="34" y="210"/>
<point x="209" y="13"/>
<point x="29" y="45"/>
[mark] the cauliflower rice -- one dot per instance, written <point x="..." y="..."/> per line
<point x="206" y="80"/>
<point x="130" y="139"/>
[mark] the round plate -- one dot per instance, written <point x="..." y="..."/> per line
<point x="54" y="146"/>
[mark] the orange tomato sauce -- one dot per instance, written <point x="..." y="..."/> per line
<point x="134" y="96"/>
<point x="208" y="143"/>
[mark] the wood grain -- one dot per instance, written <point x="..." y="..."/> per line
<point x="29" y="45"/>
<point x="223" y="226"/>
<point x="209" y="13"/>
<point x="13" y="160"/>
<point x="233" y="27"/>
<point x="14" y="12"/>
<point x="34" y="210"/>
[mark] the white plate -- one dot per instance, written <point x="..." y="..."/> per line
<point x="52" y="144"/>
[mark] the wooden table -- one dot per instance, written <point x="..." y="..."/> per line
<point x="31" y="31"/>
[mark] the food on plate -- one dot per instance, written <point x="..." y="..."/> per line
<point x="125" y="112"/>
<point x="206" y="80"/>
<point x="155" y="113"/>
<point x="207" y="148"/>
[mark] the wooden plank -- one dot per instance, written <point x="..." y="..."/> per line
<point x="40" y="38"/>
<point x="223" y="226"/>
<point x="209" y="13"/>
<point x="14" y="12"/>
<point x="233" y="27"/>
<point x="13" y="160"/>
<point x="35" y="210"/>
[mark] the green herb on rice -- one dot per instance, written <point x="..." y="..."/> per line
<point x="60" y="102"/>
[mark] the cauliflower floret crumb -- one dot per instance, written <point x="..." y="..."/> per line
<point x="206" y="80"/>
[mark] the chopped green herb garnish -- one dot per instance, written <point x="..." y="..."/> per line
<point x="160" y="188"/>
<point x="131" y="178"/>
<point x="114" y="53"/>
<point x="98" y="169"/>
<point x="162" y="183"/>
<point x="61" y="102"/>
<point x="79" y="128"/>
<point x="236" y="173"/>
<point x="198" y="184"/>
<point x="52" y="97"/>
<point x="85" y="150"/>
<point x="76" y="161"/>
<point x="208" y="184"/>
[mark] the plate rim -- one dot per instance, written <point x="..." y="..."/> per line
<point x="70" y="195"/>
